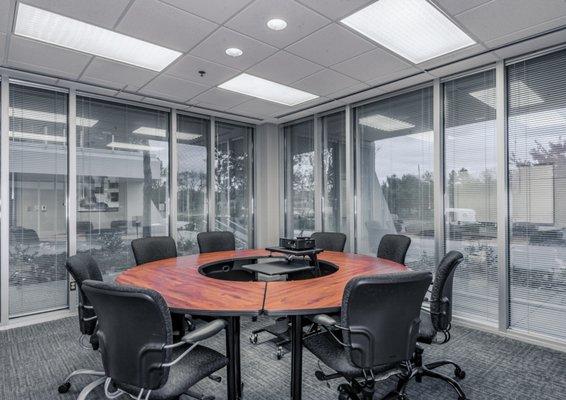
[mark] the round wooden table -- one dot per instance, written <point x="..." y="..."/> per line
<point x="185" y="289"/>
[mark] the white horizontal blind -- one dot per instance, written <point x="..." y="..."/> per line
<point x="537" y="182"/>
<point x="470" y="214"/>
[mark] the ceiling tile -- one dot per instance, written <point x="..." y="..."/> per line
<point x="335" y="9"/>
<point x="253" y="21"/>
<point x="372" y="65"/>
<point x="330" y="45"/>
<point x="111" y="73"/>
<point x="188" y="66"/>
<point x="220" y="97"/>
<point x="129" y="96"/>
<point x="400" y="74"/>
<point x="404" y="83"/>
<point x="502" y="17"/>
<point x="454" y="7"/>
<point x="171" y="88"/>
<point x="368" y="94"/>
<point x="6" y="12"/>
<point x="210" y="106"/>
<point x="532" y="45"/>
<point x="259" y="107"/>
<point x="285" y="68"/>
<point x="104" y="13"/>
<point x="453" y="56"/>
<point x="45" y="58"/>
<point x="214" y="10"/>
<point x="325" y="82"/>
<point x="162" y="24"/>
<point x="87" y="88"/>
<point x="525" y="33"/>
<point x="469" y="63"/>
<point x="214" y="47"/>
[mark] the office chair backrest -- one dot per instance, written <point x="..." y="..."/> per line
<point x="329" y="241"/>
<point x="394" y="247"/>
<point x="441" y="296"/>
<point x="83" y="267"/>
<point x="153" y="249"/>
<point x="209" y="242"/>
<point x="134" y="325"/>
<point x="382" y="314"/>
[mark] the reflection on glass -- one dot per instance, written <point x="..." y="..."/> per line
<point x="122" y="179"/>
<point x="395" y="153"/>
<point x="537" y="185"/>
<point x="299" y="179"/>
<point x="334" y="173"/>
<point x="38" y="192"/>
<point x="471" y="192"/>
<point x="234" y="182"/>
<point x="192" y="180"/>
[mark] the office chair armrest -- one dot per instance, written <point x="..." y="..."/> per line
<point x="205" y="331"/>
<point x="325" y="320"/>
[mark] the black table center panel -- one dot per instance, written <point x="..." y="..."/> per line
<point x="281" y="264"/>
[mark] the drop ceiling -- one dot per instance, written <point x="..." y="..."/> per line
<point x="315" y="52"/>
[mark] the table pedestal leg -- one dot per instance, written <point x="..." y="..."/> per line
<point x="296" y="357"/>
<point x="234" y="380"/>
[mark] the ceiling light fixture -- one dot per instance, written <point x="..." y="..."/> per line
<point x="147" y="131"/>
<point x="414" y="29"/>
<point x="276" y="24"/>
<point x="187" y="136"/>
<point x="38" y="137"/>
<point x="267" y="90"/>
<point x="234" y="52"/>
<point x="43" y="116"/>
<point x="132" y="146"/>
<point x="383" y="123"/>
<point x="56" y="29"/>
<point x="527" y="97"/>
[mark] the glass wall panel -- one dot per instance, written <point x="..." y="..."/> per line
<point x="122" y="179"/>
<point x="537" y="186"/>
<point x="234" y="182"/>
<point x="334" y="173"/>
<point x="192" y="180"/>
<point x="470" y="215"/>
<point x="299" y="179"/>
<point x="38" y="193"/>
<point x="395" y="166"/>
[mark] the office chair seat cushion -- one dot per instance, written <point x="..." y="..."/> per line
<point x="198" y="364"/>
<point x="335" y="356"/>
<point x="427" y="333"/>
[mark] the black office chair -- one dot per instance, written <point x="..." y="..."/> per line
<point x="209" y="242"/>
<point x="394" y="248"/>
<point x="83" y="267"/>
<point x="377" y="333"/>
<point x="136" y="343"/>
<point x="155" y="248"/>
<point x="438" y="321"/>
<point x="329" y="241"/>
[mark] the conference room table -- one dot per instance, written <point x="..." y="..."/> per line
<point x="186" y="289"/>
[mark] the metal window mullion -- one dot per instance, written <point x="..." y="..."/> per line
<point x="350" y="183"/>
<point x="502" y="196"/>
<point x="72" y="186"/>
<point x="438" y="156"/>
<point x="173" y="171"/>
<point x="358" y="180"/>
<point x="282" y="182"/>
<point x="4" y="200"/>
<point x="318" y="171"/>
<point x="211" y="206"/>
<point x="251" y="187"/>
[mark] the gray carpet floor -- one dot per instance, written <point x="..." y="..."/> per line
<point x="34" y="359"/>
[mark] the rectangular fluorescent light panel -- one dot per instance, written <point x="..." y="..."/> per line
<point x="43" y="116"/>
<point x="528" y="97"/>
<point x="384" y="123"/>
<point x="132" y="146"/>
<point x="38" y="137"/>
<point x="267" y="90"/>
<point x="147" y="131"/>
<point x="56" y="29"/>
<point x="414" y="29"/>
<point x="187" y="136"/>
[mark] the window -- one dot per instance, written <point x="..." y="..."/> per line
<point x="234" y="182"/>
<point x="335" y="216"/>
<point x="471" y="192"/>
<point x="38" y="193"/>
<point x="122" y="179"/>
<point x="192" y="181"/>
<point x="395" y="168"/>
<point x="537" y="189"/>
<point x="299" y="179"/>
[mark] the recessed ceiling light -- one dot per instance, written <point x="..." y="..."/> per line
<point x="384" y="123"/>
<point x="35" y="115"/>
<point x="277" y="24"/>
<point x="147" y="131"/>
<point x="56" y="29"/>
<point x="528" y="97"/>
<point x="132" y="146"/>
<point x="234" y="52"/>
<point x="267" y="90"/>
<point x="414" y="29"/>
<point x="38" y="137"/>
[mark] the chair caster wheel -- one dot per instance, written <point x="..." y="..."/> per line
<point x="64" y="388"/>
<point x="253" y="338"/>
<point x="279" y="353"/>
<point x="459" y="373"/>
